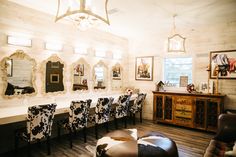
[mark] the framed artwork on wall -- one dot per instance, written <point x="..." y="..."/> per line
<point x="144" y="68"/>
<point x="224" y="62"/>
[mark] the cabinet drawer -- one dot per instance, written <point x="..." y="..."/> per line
<point x="183" y="101"/>
<point x="183" y="114"/>
<point x="183" y="107"/>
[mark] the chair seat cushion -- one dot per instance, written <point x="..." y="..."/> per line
<point x="129" y="142"/>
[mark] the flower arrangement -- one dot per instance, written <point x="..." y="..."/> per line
<point x="129" y="91"/>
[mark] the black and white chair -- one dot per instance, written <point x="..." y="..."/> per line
<point x="121" y="110"/>
<point x="39" y="126"/>
<point x="78" y="118"/>
<point x="102" y="113"/>
<point x="137" y="106"/>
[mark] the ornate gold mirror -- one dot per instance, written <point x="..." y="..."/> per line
<point x="53" y="75"/>
<point x="80" y="75"/>
<point x="117" y="81"/>
<point x="18" y="75"/>
<point x="100" y="75"/>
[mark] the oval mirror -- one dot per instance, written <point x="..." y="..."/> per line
<point x="53" y="75"/>
<point x="100" y="75"/>
<point x="80" y="75"/>
<point x="18" y="75"/>
<point x="116" y="82"/>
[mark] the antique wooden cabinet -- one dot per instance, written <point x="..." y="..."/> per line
<point x="198" y="111"/>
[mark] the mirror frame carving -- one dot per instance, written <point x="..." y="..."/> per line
<point x="21" y="55"/>
<point x="121" y="78"/>
<point x="80" y="61"/>
<point x="52" y="58"/>
<point x="101" y="63"/>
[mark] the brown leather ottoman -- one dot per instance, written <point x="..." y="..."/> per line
<point x="133" y="143"/>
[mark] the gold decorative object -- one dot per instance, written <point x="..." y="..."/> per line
<point x="217" y="80"/>
<point x="83" y="13"/>
<point x="208" y="78"/>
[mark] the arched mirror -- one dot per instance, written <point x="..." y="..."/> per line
<point x="116" y="82"/>
<point x="80" y="75"/>
<point x="53" y="75"/>
<point x="100" y="74"/>
<point x="18" y="75"/>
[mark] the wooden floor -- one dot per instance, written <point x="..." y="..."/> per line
<point x="190" y="143"/>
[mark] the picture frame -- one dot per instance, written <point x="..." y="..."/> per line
<point x="183" y="81"/>
<point x="79" y="70"/>
<point x="116" y="73"/>
<point x="203" y="87"/>
<point x="224" y="62"/>
<point x="144" y="68"/>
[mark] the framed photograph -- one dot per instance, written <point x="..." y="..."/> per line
<point x="116" y="73"/>
<point x="79" y="70"/>
<point x="144" y="68"/>
<point x="9" y="67"/>
<point x="183" y="81"/>
<point x="203" y="88"/>
<point x="54" y="78"/>
<point x="224" y="62"/>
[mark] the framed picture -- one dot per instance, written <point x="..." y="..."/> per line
<point x="116" y="73"/>
<point x="79" y="70"/>
<point x="144" y="68"/>
<point x="183" y="81"/>
<point x="203" y="88"/>
<point x="54" y="78"/>
<point x="224" y="62"/>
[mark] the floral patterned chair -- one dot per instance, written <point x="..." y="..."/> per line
<point x="102" y="113"/>
<point x="39" y="126"/>
<point x="121" y="110"/>
<point x="78" y="117"/>
<point x="137" y="106"/>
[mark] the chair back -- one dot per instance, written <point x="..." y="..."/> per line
<point x="102" y="110"/>
<point x="40" y="120"/>
<point x="138" y="103"/>
<point x="123" y="106"/>
<point x="79" y="112"/>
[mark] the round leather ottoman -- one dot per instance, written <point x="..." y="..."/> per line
<point x="131" y="143"/>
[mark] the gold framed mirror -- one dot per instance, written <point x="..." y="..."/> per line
<point x="18" y="75"/>
<point x="116" y="75"/>
<point x="80" y="75"/>
<point x="100" y="76"/>
<point x="53" y="75"/>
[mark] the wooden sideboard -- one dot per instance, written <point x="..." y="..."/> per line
<point x="198" y="111"/>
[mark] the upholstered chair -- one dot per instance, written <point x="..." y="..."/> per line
<point x="121" y="110"/>
<point x="137" y="106"/>
<point x="39" y="126"/>
<point x="102" y="113"/>
<point x="78" y="118"/>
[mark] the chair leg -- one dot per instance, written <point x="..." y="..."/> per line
<point x="96" y="131"/>
<point x="134" y="118"/>
<point x="48" y="145"/>
<point x="85" y="135"/>
<point x="141" y="117"/>
<point x="29" y="149"/>
<point x="70" y="137"/>
<point x="116" y="125"/>
<point x="107" y="127"/>
<point x="58" y="131"/>
<point x="125" y="120"/>
<point x="16" y="143"/>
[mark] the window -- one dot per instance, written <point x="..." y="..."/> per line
<point x="176" y="67"/>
